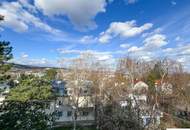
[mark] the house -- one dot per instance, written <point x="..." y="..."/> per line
<point x="77" y="95"/>
<point x="67" y="102"/>
<point x="165" y="88"/>
<point x="139" y="93"/>
<point x="139" y="97"/>
<point x="140" y="85"/>
<point x="4" y="90"/>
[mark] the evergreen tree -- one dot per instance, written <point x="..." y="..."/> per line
<point x="50" y="74"/>
<point x="154" y="74"/>
<point x="26" y="104"/>
<point x="30" y="88"/>
<point x="24" y="116"/>
<point x="5" y="55"/>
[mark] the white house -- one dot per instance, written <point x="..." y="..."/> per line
<point x="165" y="87"/>
<point x="4" y="90"/>
<point x="67" y="102"/>
<point x="139" y="97"/>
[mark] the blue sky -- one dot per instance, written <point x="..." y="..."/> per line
<point x="44" y="31"/>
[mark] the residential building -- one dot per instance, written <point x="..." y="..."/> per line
<point x="67" y="102"/>
<point x="4" y="90"/>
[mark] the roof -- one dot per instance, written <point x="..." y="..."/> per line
<point x="158" y="82"/>
<point x="140" y="85"/>
<point x="58" y="84"/>
<point x="4" y="86"/>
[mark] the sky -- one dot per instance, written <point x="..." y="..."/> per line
<point x="43" y="32"/>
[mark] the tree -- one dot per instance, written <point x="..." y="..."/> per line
<point x="154" y="74"/>
<point x="80" y="70"/>
<point x="24" y="116"/>
<point x="31" y="88"/>
<point x="25" y="107"/>
<point x="112" y="114"/>
<point x="5" y="55"/>
<point x="50" y="74"/>
<point x="1" y="17"/>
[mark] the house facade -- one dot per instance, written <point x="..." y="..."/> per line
<point x="72" y="99"/>
<point x="4" y="90"/>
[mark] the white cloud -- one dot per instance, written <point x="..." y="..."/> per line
<point x="19" y="19"/>
<point x="178" y="51"/>
<point x="80" y="12"/>
<point x="107" y="59"/>
<point x="180" y="54"/>
<point x="35" y="62"/>
<point x="131" y="1"/>
<point x="104" y="57"/>
<point x="24" y="55"/>
<point x="178" y="38"/>
<point x="155" y="31"/>
<point x="145" y="58"/>
<point x="140" y="53"/>
<point x="168" y="50"/>
<point x="63" y="51"/>
<point x="173" y="3"/>
<point x="93" y="52"/>
<point x="125" y="45"/>
<point x="181" y="59"/>
<point x="155" y="41"/>
<point x="134" y="49"/>
<point x="88" y="39"/>
<point x="151" y="49"/>
<point x="97" y="54"/>
<point x="123" y="29"/>
<point x="26" y="4"/>
<point x="104" y="38"/>
<point x="24" y="59"/>
<point x="185" y="50"/>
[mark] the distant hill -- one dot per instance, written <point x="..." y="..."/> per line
<point x="22" y="67"/>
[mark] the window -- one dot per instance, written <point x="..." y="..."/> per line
<point x="66" y="91"/>
<point x="85" y="113"/>
<point x="85" y="91"/>
<point x="60" y="113"/>
<point x="69" y="113"/>
<point x="148" y="120"/>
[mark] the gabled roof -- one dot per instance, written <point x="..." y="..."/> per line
<point x="140" y="85"/>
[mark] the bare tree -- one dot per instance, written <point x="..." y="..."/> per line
<point x="80" y="72"/>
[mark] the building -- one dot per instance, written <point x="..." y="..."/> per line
<point x="4" y="90"/>
<point x="139" y="98"/>
<point x="71" y="99"/>
<point x="165" y="87"/>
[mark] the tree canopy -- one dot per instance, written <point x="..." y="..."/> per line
<point x="24" y="116"/>
<point x="31" y="88"/>
<point x="25" y="106"/>
<point x="154" y="74"/>
<point x="5" y="55"/>
<point x="50" y="74"/>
